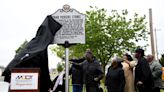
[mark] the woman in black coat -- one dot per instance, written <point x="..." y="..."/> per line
<point x="115" y="80"/>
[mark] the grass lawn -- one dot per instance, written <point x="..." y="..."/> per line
<point x="102" y="85"/>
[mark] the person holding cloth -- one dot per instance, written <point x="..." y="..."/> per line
<point x="77" y="75"/>
<point x="92" y="72"/>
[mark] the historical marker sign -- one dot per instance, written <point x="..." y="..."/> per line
<point x="73" y="26"/>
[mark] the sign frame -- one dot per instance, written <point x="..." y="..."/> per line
<point x="73" y="26"/>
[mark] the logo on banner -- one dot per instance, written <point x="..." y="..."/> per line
<point x="24" y="78"/>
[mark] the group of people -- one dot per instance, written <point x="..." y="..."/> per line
<point x="127" y="75"/>
<point x="86" y="71"/>
<point x="123" y="75"/>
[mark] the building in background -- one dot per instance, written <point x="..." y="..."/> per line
<point x="1" y="69"/>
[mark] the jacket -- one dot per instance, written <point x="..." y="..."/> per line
<point x="156" y="69"/>
<point x="143" y="73"/>
<point x="92" y="70"/>
<point x="115" y="80"/>
<point x="77" y="72"/>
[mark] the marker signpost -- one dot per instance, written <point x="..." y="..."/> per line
<point x="72" y="32"/>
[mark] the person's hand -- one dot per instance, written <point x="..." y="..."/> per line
<point x="126" y="61"/>
<point x="139" y="83"/>
<point x="71" y="62"/>
<point x="49" y="90"/>
<point x="96" y="79"/>
<point x="74" y="63"/>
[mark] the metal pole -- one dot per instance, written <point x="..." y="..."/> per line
<point x="66" y="67"/>
<point x="151" y="33"/>
<point x="155" y="30"/>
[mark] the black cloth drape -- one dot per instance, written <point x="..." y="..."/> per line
<point x="34" y="55"/>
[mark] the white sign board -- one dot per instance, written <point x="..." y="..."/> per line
<point x="73" y="26"/>
<point x="24" y="81"/>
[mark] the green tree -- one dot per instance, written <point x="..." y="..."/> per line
<point x="21" y="47"/>
<point x="107" y="35"/>
<point x="60" y="67"/>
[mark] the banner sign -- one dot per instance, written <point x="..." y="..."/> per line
<point x="24" y="81"/>
<point x="73" y="26"/>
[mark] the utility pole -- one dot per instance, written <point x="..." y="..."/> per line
<point x="151" y="33"/>
<point x="155" y="34"/>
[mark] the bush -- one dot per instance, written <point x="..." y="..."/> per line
<point x="162" y="60"/>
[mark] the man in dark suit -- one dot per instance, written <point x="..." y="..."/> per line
<point x="143" y="76"/>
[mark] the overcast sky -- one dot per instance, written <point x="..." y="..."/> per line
<point x="20" y="19"/>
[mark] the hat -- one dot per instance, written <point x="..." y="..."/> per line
<point x="139" y="50"/>
<point x="117" y="59"/>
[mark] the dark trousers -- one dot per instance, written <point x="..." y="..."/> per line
<point x="92" y="89"/>
<point x="156" y="89"/>
<point x="142" y="88"/>
<point x="77" y="88"/>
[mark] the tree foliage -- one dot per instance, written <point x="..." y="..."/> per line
<point x="162" y="60"/>
<point x="109" y="34"/>
<point x="60" y="67"/>
<point x="21" y="47"/>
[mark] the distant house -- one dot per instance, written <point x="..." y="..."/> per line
<point x="1" y="69"/>
<point x="53" y="73"/>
